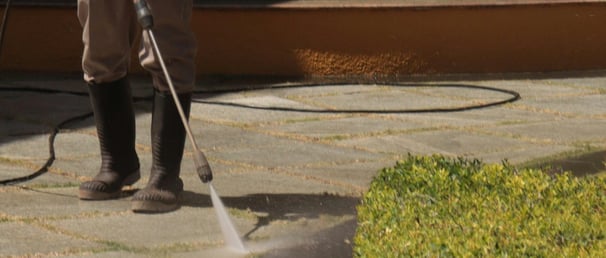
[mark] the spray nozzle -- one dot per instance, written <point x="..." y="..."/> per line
<point x="203" y="168"/>
<point x="144" y="14"/>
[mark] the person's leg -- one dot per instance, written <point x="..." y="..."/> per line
<point x="107" y="35"/>
<point x="109" y="30"/>
<point x="177" y="42"/>
<point x="178" y="46"/>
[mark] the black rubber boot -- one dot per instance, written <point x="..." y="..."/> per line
<point x="115" y="121"/>
<point x="168" y="140"/>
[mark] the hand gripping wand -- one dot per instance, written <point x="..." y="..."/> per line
<point x="147" y="22"/>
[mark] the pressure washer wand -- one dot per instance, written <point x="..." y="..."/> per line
<point x="7" y="8"/>
<point x="147" y="22"/>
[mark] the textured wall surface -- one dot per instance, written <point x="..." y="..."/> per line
<point x="347" y="41"/>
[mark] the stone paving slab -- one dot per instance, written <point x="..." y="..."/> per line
<point x="391" y="145"/>
<point x="48" y="203"/>
<point x="573" y="105"/>
<point x="539" y="89"/>
<point x="294" y="154"/>
<point x="342" y="127"/>
<point x="229" y="137"/>
<point x="20" y="238"/>
<point x="449" y="142"/>
<point x="527" y="153"/>
<point x="189" y="226"/>
<point x="302" y="90"/>
<point x="229" y="114"/>
<point x="571" y="131"/>
<point x="276" y="182"/>
<point x="356" y="176"/>
<point x="387" y="100"/>
<point x="33" y="148"/>
<point x="10" y="170"/>
<point x="508" y="114"/>
<point x="75" y="145"/>
<point x="462" y="143"/>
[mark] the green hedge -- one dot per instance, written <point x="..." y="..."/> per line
<point x="446" y="207"/>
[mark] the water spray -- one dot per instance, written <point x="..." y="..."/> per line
<point x="230" y="234"/>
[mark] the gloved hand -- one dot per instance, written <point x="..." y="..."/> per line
<point x="144" y="14"/>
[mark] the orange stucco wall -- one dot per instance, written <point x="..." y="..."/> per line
<point x="348" y="41"/>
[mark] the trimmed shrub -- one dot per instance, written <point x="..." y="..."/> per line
<point x="453" y="207"/>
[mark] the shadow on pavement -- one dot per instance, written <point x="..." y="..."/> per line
<point x="583" y="165"/>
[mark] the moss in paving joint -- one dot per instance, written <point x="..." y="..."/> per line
<point x="513" y="122"/>
<point x="54" y="185"/>
<point x="243" y="165"/>
<point x="515" y="136"/>
<point x="109" y="245"/>
<point x="243" y="214"/>
<point x="61" y="172"/>
<point x="542" y="111"/>
<point x="587" y="146"/>
<point x="117" y="246"/>
<point x="328" y="164"/>
<point x="4" y="218"/>
<point x="218" y="121"/>
<point x="143" y="148"/>
<point x="18" y="162"/>
<point x="170" y="250"/>
<point x="388" y="132"/>
<point x="83" y="215"/>
<point x="308" y="102"/>
<point x="72" y="252"/>
<point x="569" y="85"/>
<point x="313" y="119"/>
<point x="289" y="136"/>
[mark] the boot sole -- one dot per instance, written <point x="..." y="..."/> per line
<point x="152" y="207"/>
<point x="88" y="195"/>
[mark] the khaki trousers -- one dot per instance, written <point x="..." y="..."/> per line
<point x="110" y="28"/>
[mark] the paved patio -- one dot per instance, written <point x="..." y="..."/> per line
<point x="290" y="163"/>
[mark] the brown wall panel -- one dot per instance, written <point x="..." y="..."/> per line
<point x="347" y="41"/>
